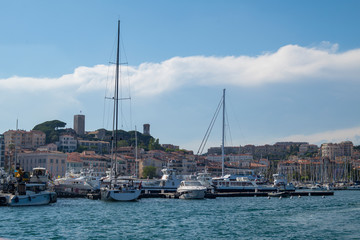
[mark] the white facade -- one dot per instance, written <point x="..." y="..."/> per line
<point x="67" y="143"/>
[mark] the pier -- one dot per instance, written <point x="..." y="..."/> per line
<point x="174" y="195"/>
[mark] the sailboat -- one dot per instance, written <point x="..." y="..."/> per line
<point x="124" y="190"/>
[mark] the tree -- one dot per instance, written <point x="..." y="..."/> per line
<point x="51" y="129"/>
<point x="149" y="171"/>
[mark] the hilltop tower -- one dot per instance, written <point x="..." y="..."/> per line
<point x="79" y="124"/>
<point x="146" y="129"/>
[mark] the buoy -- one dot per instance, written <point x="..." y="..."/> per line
<point x="291" y="197"/>
<point x="323" y="196"/>
<point x="299" y="196"/>
<point x="280" y="197"/>
<point x="268" y="197"/>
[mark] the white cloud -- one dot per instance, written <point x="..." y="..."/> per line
<point x="335" y="136"/>
<point x="290" y="63"/>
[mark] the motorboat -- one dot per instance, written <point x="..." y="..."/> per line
<point x="281" y="183"/>
<point x="169" y="182"/>
<point x="191" y="189"/>
<point x="70" y="184"/>
<point x="279" y="194"/>
<point x="206" y="180"/>
<point x="29" y="194"/>
<point x="239" y="184"/>
<point x="39" y="175"/>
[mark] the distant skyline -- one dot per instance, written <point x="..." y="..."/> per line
<point x="291" y="70"/>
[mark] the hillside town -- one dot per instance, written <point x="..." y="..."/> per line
<point x="74" y="150"/>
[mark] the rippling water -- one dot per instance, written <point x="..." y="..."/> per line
<point x="333" y="217"/>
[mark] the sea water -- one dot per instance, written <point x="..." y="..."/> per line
<point x="315" y="217"/>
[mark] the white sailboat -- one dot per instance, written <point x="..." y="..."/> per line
<point x="116" y="191"/>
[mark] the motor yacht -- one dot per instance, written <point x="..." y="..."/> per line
<point x="191" y="189"/>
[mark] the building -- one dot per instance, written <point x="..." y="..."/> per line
<point x="100" y="147"/>
<point x="54" y="162"/>
<point x="89" y="159"/>
<point x="21" y="139"/>
<point x="67" y="143"/>
<point x="2" y="151"/>
<point x="154" y="162"/>
<point x="49" y="147"/>
<point x="79" y="124"/>
<point x="147" y="129"/>
<point x="333" y="150"/>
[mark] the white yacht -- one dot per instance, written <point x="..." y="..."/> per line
<point x="169" y="182"/>
<point x="191" y="189"/>
<point x="40" y="175"/>
<point x="71" y="184"/>
<point x="281" y="184"/>
<point x="239" y="184"/>
<point x="206" y="180"/>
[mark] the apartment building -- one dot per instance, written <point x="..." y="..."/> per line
<point x="67" y="143"/>
<point x="21" y="139"/>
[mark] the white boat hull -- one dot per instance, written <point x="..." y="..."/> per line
<point x="37" y="199"/>
<point x="120" y="195"/>
<point x="192" y="194"/>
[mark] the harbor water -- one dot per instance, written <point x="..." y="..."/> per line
<point x="331" y="217"/>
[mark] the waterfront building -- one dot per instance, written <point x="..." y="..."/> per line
<point x="54" y="162"/>
<point x="2" y="151"/>
<point x="67" y="143"/>
<point x="21" y="139"/>
<point x="79" y="124"/>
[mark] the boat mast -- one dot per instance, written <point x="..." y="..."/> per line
<point x="113" y="171"/>
<point x="223" y="136"/>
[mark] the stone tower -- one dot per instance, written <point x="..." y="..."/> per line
<point x="79" y="124"/>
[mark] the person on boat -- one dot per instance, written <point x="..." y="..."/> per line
<point x="19" y="174"/>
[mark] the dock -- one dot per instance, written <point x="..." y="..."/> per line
<point x="173" y="195"/>
<point x="239" y="194"/>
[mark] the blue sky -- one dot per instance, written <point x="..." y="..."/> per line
<point x="290" y="68"/>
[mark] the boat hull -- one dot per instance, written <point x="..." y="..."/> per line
<point x="191" y="194"/>
<point x="120" y="195"/>
<point x="44" y="198"/>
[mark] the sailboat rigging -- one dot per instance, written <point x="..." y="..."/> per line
<point x="207" y="134"/>
<point x="124" y="190"/>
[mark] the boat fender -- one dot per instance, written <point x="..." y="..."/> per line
<point x="16" y="199"/>
<point x="51" y="198"/>
<point x="29" y="198"/>
<point x="108" y="195"/>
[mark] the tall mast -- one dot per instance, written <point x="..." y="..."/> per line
<point x="116" y="112"/>
<point x="223" y="136"/>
